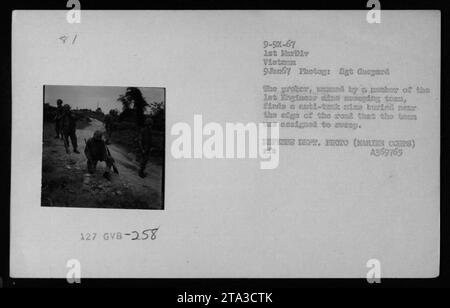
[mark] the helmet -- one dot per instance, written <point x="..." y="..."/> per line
<point x="66" y="107"/>
<point x="98" y="134"/>
<point x="59" y="102"/>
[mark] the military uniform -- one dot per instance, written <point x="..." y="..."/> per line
<point x="95" y="151"/>
<point x="68" y="127"/>
<point x="58" y="116"/>
<point x="108" y="121"/>
<point x="145" y="143"/>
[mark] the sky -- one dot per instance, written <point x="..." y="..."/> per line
<point x="80" y="97"/>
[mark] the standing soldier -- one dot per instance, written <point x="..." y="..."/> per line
<point x="68" y="127"/>
<point x="58" y="116"/>
<point x="96" y="151"/>
<point x="108" y="122"/>
<point x="145" y="145"/>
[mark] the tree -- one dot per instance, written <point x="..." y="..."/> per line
<point x="114" y="113"/>
<point x="133" y="97"/>
<point x="158" y="115"/>
<point x="126" y="103"/>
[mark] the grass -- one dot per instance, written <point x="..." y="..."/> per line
<point x="128" y="200"/>
<point x="47" y="167"/>
<point x="64" y="188"/>
<point x="57" y="189"/>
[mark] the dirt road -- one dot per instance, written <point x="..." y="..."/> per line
<point x="66" y="182"/>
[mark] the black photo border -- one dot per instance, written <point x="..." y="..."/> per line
<point x="225" y="285"/>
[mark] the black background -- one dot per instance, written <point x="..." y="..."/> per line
<point x="208" y="285"/>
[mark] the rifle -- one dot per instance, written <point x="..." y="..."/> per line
<point x="112" y="160"/>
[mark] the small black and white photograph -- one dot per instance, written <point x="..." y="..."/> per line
<point x="103" y="147"/>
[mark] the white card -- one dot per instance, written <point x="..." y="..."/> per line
<point x="351" y="184"/>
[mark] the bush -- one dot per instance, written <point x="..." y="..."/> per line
<point x="125" y="125"/>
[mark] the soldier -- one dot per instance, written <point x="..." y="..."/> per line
<point x="68" y="127"/>
<point x="145" y="145"/>
<point x="96" y="151"/>
<point x="58" y="116"/>
<point x="108" y="122"/>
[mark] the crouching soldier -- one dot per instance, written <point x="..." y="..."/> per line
<point x="96" y="151"/>
<point x="145" y="145"/>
